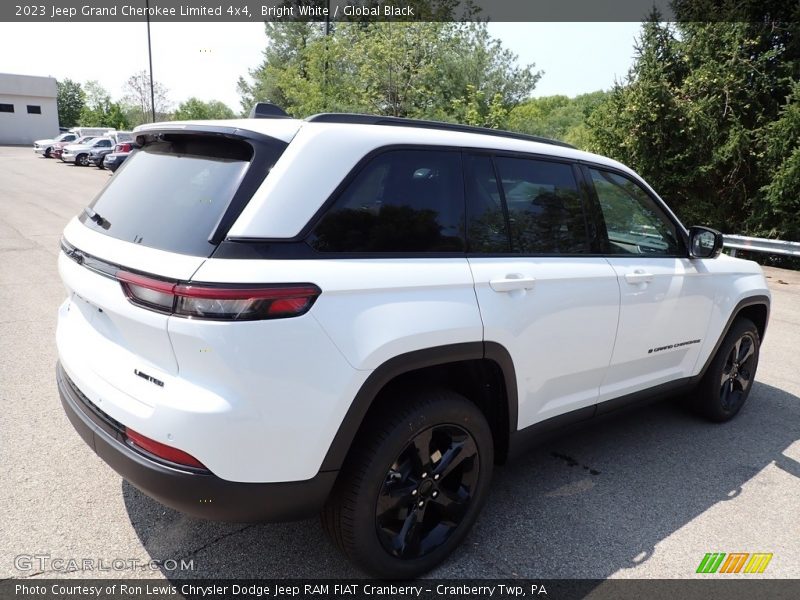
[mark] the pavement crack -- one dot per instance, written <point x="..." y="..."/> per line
<point x="216" y="540"/>
<point x="28" y="576"/>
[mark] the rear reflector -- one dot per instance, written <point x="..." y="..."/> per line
<point x="233" y="303"/>
<point x="162" y="450"/>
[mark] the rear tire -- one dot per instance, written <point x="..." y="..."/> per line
<point x="413" y="484"/>
<point x="727" y="383"/>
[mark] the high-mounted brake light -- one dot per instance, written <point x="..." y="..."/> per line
<point x="234" y="303"/>
<point x="162" y="450"/>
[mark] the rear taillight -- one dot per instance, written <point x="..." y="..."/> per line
<point x="162" y="451"/>
<point x="232" y="303"/>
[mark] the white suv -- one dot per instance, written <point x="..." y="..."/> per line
<point x="269" y="318"/>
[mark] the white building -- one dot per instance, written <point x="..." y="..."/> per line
<point x="28" y="109"/>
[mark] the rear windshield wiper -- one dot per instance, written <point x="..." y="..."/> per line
<point x="105" y="224"/>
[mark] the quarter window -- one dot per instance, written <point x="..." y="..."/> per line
<point x="401" y="201"/>
<point x="545" y="210"/>
<point x="487" y="227"/>
<point x="634" y="222"/>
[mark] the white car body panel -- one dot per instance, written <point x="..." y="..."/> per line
<point x="375" y="309"/>
<point x="560" y="331"/>
<point x="664" y="302"/>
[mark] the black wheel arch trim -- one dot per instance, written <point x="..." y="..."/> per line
<point x="743" y="303"/>
<point x="406" y="363"/>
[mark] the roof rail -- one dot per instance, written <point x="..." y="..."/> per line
<point x="359" y="119"/>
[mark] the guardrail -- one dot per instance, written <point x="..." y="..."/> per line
<point x="752" y="244"/>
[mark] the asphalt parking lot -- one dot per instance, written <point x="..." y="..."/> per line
<point x="642" y="495"/>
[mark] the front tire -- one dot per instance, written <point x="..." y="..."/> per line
<point x="47" y="152"/>
<point x="413" y="484"/>
<point x="729" y="379"/>
<point x="82" y="160"/>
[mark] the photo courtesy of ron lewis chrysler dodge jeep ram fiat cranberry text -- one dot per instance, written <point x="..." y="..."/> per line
<point x="270" y="318"/>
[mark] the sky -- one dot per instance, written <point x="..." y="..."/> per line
<point x="206" y="59"/>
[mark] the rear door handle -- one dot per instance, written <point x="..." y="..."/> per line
<point x="511" y="282"/>
<point x="638" y="276"/>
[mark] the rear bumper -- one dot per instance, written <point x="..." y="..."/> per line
<point x="199" y="494"/>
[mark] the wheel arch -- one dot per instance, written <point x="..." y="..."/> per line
<point x="481" y="371"/>
<point x="756" y="308"/>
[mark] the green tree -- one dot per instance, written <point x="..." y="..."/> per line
<point x="139" y="107"/>
<point x="196" y="109"/>
<point x="779" y="214"/>
<point x="70" y="100"/>
<point x="440" y="70"/>
<point x="557" y="117"/>
<point x="700" y="116"/>
<point x="100" y="111"/>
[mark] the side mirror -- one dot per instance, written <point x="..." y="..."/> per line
<point x="704" y="242"/>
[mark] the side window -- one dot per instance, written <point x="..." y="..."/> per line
<point x="401" y="201"/>
<point x="486" y="220"/>
<point x="634" y="222"/>
<point x="104" y="144"/>
<point x="545" y="211"/>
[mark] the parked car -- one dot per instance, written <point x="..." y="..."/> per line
<point x="58" y="147"/>
<point x="244" y="341"/>
<point x="98" y="153"/>
<point x="45" y="147"/>
<point x="114" y="160"/>
<point x="79" y="153"/>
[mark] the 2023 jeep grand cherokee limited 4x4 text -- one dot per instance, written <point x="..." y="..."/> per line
<point x="269" y="318"/>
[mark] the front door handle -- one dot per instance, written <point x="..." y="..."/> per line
<point x="511" y="282"/>
<point x="638" y="276"/>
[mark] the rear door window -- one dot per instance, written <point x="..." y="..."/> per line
<point x="171" y="194"/>
<point x="401" y="201"/>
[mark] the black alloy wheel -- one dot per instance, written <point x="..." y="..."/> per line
<point x="729" y="377"/>
<point x="737" y="373"/>
<point x="427" y="491"/>
<point x="413" y="484"/>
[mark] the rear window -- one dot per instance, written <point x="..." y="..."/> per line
<point x="171" y="194"/>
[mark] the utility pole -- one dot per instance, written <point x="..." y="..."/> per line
<point x="325" y="65"/>
<point x="150" y="58"/>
